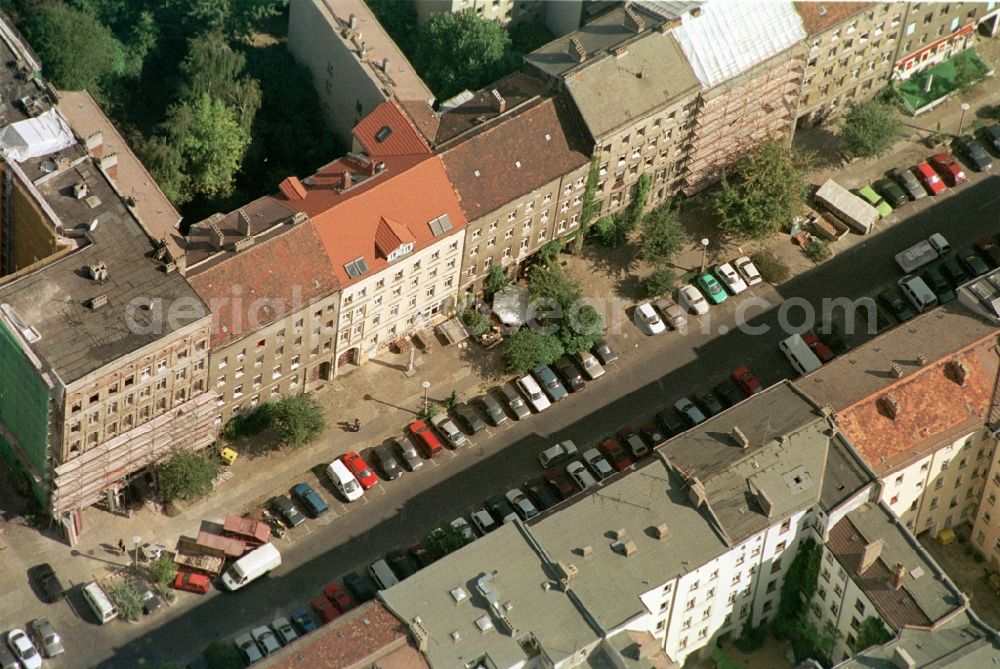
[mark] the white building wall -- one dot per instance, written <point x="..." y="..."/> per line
<point x="839" y="601"/>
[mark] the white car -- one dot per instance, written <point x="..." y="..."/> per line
<point x="521" y="504"/>
<point x="579" y="473"/>
<point x="589" y="364"/>
<point x="601" y="467"/>
<point x="483" y="521"/>
<point x="447" y="427"/>
<point x="24" y="649"/>
<point x="748" y="270"/>
<point x="691" y="300"/>
<point x="248" y="648"/>
<point x="648" y="321"/>
<point x="730" y="278"/>
<point x="532" y="391"/>
<point x="561" y="451"/>
<point x="462" y="526"/>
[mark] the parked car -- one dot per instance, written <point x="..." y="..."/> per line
<point x="935" y="281"/>
<point x="491" y="408"/>
<point x="562" y="451"/>
<point x="362" y="472"/>
<point x="150" y="602"/>
<point x="689" y="411"/>
<point x="360" y="587"/>
<point x="401" y="564"/>
<point x="483" y="521"/>
<point x="710" y="404"/>
<point x="711" y="288"/>
<point x="303" y="621"/>
<point x="746" y="380"/>
<point x="514" y="401"/>
<point x="747" y="270"/>
<point x="992" y="135"/>
<point x="560" y="480"/>
<point x="501" y="509"/>
<point x="953" y="271"/>
<point x="971" y="261"/>
<point x="592" y="369"/>
<point x="192" y="582"/>
<point x="468" y="417"/>
<point x="818" y="347"/>
<point x="461" y="525"/>
<point x="691" y="300"/>
<point x="338" y="597"/>
<point x="729" y="393"/>
<point x="917" y="292"/>
<point x="672" y="314"/>
<point x="533" y="392"/>
<point x="670" y="422"/>
<point x="868" y="194"/>
<point x="522" y="505"/>
<point x="647" y="320"/>
<point x="45" y="637"/>
<point x="949" y="168"/>
<point x="604" y="352"/>
<point x="387" y="462"/>
<point x="895" y="304"/>
<point x="265" y="638"/>
<point x="570" y="375"/>
<point x="248" y="648"/>
<point x="284" y="630"/>
<point x="425" y="438"/>
<point x="730" y="278"/>
<point x="541" y="493"/>
<point x="988" y="249"/>
<point x="632" y="443"/>
<point x="46" y="579"/>
<point x="929" y="178"/>
<point x="422" y="555"/>
<point x="975" y="152"/>
<point x="908" y="180"/>
<point x="549" y="382"/>
<point x="446" y="426"/>
<point x="309" y="500"/>
<point x="580" y="475"/>
<point x="601" y="467"/>
<point x="891" y="192"/>
<point x="615" y="453"/>
<point x="285" y="509"/>
<point x="407" y="452"/>
<point x="324" y="609"/>
<point x="653" y="433"/>
<point x="7" y="659"/>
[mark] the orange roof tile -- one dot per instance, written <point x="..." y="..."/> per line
<point x="390" y="235"/>
<point x="411" y="191"/>
<point x="818" y="16"/>
<point x="388" y="131"/>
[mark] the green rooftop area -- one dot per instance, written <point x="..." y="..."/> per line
<point x="945" y="78"/>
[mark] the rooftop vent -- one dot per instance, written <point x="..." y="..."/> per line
<point x="218" y="239"/>
<point x="98" y="301"/>
<point x="567" y="571"/>
<point x="628" y="548"/>
<point x="383" y="133"/>
<point x="660" y="531"/>
<point x="620" y="534"/>
<point x="243" y="222"/>
<point x="901" y="659"/>
<point x="459" y="594"/>
<point x="385" y="65"/>
<point x="870" y="553"/>
<point x="897" y="371"/>
<point x="586" y="551"/>
<point x="889" y="405"/>
<point x="497" y="103"/>
<point x="456" y="637"/>
<point x="633" y="20"/>
<point x="81" y="190"/>
<point x="98" y="272"/>
<point x="740" y="438"/>
<point x="484" y="624"/>
<point x="696" y="493"/>
<point x="822" y="10"/>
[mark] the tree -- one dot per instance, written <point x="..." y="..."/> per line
<point x="526" y="36"/>
<point x="581" y="328"/>
<point x="475" y="321"/>
<point x="298" y="419"/>
<point x="659" y="282"/>
<point x="443" y="540"/>
<point x="222" y="655"/>
<point x="609" y="231"/>
<point x="77" y="50"/>
<point x="633" y="214"/>
<point x="772" y="268"/>
<point x="162" y="572"/>
<point x="870" y="128"/>
<point x="967" y="73"/>
<point x="661" y="235"/>
<point x="551" y="282"/>
<point x="590" y="206"/>
<point x="549" y="251"/>
<point x="163" y="158"/>
<point x="212" y="68"/>
<point x="125" y="597"/>
<point x="399" y="20"/>
<point x="871" y="633"/>
<point x="495" y="281"/>
<point x="527" y="348"/>
<point x="187" y="474"/>
<point x="764" y="192"/>
<point x="455" y="52"/>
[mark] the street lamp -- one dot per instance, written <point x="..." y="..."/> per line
<point x="704" y="254"/>
<point x="135" y="541"/>
<point x="961" y="122"/>
<point x="425" y="385"/>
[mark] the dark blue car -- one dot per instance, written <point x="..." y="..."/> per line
<point x="310" y="500"/>
<point x="304" y="621"/>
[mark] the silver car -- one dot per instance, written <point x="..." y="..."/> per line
<point x="408" y="452"/>
<point x="283" y="628"/>
<point x="521" y="504"/>
<point x="248" y="648"/>
<point x="514" y="401"/>
<point x="589" y="364"/>
<point x="598" y="464"/>
<point x="446" y="426"/>
<point x="45" y="637"/>
<point x="579" y="473"/>
<point x="265" y="638"/>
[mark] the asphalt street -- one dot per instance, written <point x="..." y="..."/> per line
<point x="650" y="374"/>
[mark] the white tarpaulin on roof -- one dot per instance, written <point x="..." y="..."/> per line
<point x="33" y="137"/>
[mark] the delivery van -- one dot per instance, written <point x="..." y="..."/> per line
<point x="99" y="602"/>
<point x="799" y="354"/>
<point x="343" y="480"/>
<point x="253" y="565"/>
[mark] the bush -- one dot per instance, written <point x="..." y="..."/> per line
<point x="817" y="250"/>
<point x="549" y="250"/>
<point x="751" y="638"/>
<point x="298" y="419"/>
<point x="494" y="282"/>
<point x="659" y="282"/>
<point x="162" y="573"/>
<point x="527" y="348"/>
<point x="772" y="268"/>
<point x="188" y="474"/>
<point x="126" y="598"/>
<point x="222" y="655"/>
<point x="475" y="321"/>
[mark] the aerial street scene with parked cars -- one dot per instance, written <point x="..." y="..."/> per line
<point x="499" y="334"/>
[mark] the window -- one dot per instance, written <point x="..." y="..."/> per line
<point x="785" y="526"/>
<point x="780" y="547"/>
<point x="859" y="606"/>
<point x="276" y="372"/>
<point x="690" y="605"/>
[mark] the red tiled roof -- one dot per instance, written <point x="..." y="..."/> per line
<point x="268" y="281"/>
<point x="390" y="235"/>
<point x="411" y="191"/>
<point x="402" y="138"/>
<point x="818" y="16"/>
<point x="515" y="155"/>
<point x="932" y="405"/>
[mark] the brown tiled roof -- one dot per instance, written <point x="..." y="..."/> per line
<point x="819" y="16"/>
<point x="932" y="406"/>
<point x="515" y="155"/>
<point x="402" y="138"/>
<point x="515" y="89"/>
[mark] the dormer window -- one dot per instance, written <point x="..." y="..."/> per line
<point x="400" y="251"/>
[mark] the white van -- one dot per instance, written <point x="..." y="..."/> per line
<point x="531" y="390"/>
<point x="99" y="602"/>
<point x="253" y="565"/>
<point x="344" y="481"/>
<point x="382" y="575"/>
<point x="918" y="293"/>
<point x="799" y="354"/>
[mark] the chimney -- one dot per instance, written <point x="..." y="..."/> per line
<point x="897" y="371"/>
<point x="98" y="272"/>
<point x="660" y="531"/>
<point x="243" y="223"/>
<point x="81" y="190"/>
<point x="218" y="239"/>
<point x="696" y="493"/>
<point x="695" y="12"/>
<point x="921" y="360"/>
<point x="345" y="180"/>
<point x="576" y="50"/>
<point x="633" y="20"/>
<point x="620" y="534"/>
<point x="352" y="21"/>
<point x="567" y="571"/>
<point x="95" y="144"/>
<point x="871" y="553"/>
<point x="740" y="438"/>
<point x="765" y="503"/>
<point x="497" y="103"/>
<point x="890" y="405"/>
<point x="385" y="65"/>
<point x="420" y="634"/>
<point x="292" y="189"/>
<point x="243" y="244"/>
<point x="898" y="574"/>
<point x="586" y="551"/>
<point x="628" y="548"/>
<point x="620" y="50"/>
<point x="667" y="26"/>
<point x="958" y="372"/>
<point x="109" y="164"/>
<point x="901" y="659"/>
<point x="98" y="301"/>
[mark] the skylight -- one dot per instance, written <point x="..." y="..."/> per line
<point x="440" y="225"/>
<point x="356" y="268"/>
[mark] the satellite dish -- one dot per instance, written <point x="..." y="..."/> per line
<point x="48" y="166"/>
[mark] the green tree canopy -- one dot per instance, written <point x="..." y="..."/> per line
<point x="661" y="235"/>
<point x="870" y="128"/>
<point x="580" y="328"/>
<point x="212" y="68"/>
<point x="454" y="52"/>
<point x="443" y="540"/>
<point x="494" y="282"/>
<point x="764" y="192"/>
<point x="659" y="282"/>
<point x="187" y="474"/>
<point x="871" y="633"/>
<point x="527" y="348"/>
<point x="551" y="282"/>
<point x="298" y="419"/>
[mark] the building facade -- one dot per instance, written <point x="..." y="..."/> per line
<point x="934" y="32"/>
<point x="504" y="12"/>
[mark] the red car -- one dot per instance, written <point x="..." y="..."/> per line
<point x="615" y="454"/>
<point x="929" y="178"/>
<point x="186" y="580"/>
<point x="949" y="167"/>
<point x="425" y="438"/>
<point x="324" y="609"/>
<point x="339" y="597"/>
<point x="362" y="472"/>
<point x="747" y="382"/>
<point x="561" y="481"/>
<point x="821" y="350"/>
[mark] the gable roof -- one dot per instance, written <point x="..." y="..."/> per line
<point x="515" y="155"/>
<point x="388" y="131"/>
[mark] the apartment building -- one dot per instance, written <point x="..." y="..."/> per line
<point x="504" y="12"/>
<point x="520" y="177"/>
<point x="934" y="32"/>
<point x="637" y="95"/>
<point x="392" y="229"/>
<point x="915" y="404"/>
<point x="273" y="297"/>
